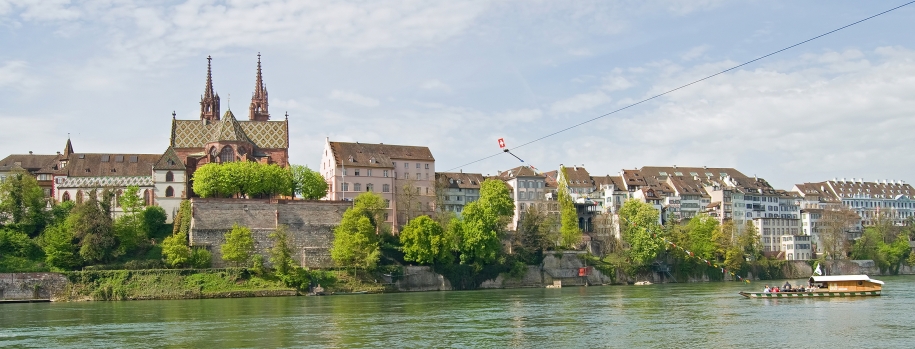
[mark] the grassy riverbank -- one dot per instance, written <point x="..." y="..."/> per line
<point x="169" y="284"/>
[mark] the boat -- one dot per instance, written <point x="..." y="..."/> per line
<point x="828" y="286"/>
<point x="642" y="283"/>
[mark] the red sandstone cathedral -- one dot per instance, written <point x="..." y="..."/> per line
<point x="212" y="138"/>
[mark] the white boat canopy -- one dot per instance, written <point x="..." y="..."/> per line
<point x="827" y="278"/>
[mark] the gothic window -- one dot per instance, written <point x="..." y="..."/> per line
<point x="227" y="154"/>
<point x="213" y="154"/>
<point x="147" y="198"/>
<point x="169" y="192"/>
<point x="79" y="197"/>
<point x="66" y="196"/>
<point x="169" y="176"/>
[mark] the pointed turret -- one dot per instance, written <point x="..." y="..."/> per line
<point x="209" y="102"/>
<point x="68" y="149"/>
<point x="258" y="110"/>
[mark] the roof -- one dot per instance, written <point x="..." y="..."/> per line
<point x="578" y="177"/>
<point x="827" y="278"/>
<point x="616" y="181"/>
<point x="870" y="190"/>
<point x="169" y="161"/>
<point x="112" y="181"/>
<point x="109" y="165"/>
<point x="520" y="171"/>
<point x="460" y="180"/>
<point x="29" y="162"/>
<point x="377" y="155"/>
<point x="197" y="133"/>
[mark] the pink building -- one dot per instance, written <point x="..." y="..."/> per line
<point x="403" y="175"/>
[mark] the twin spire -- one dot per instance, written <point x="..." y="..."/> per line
<point x="209" y="102"/>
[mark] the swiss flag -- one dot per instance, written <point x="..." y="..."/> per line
<point x="501" y="143"/>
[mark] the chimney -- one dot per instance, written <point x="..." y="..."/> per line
<point x="30" y="152"/>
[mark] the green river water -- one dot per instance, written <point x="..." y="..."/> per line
<point x="709" y="315"/>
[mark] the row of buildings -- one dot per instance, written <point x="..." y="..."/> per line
<point x="406" y="177"/>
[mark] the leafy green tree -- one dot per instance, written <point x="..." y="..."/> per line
<point x="211" y="181"/>
<point x="60" y="249"/>
<point x="701" y="230"/>
<point x="638" y="221"/>
<point x="242" y="179"/>
<point x="749" y="243"/>
<point x="176" y="251"/>
<point x="483" y="223"/>
<point x="182" y="221"/>
<point x="571" y="234"/>
<point x="22" y="203"/>
<point x="93" y="228"/>
<point x="373" y="206"/>
<point x="200" y="258"/>
<point x="239" y="245"/>
<point x="154" y="218"/>
<point x="355" y="241"/>
<point x="281" y="252"/>
<point x="537" y="230"/>
<point x="425" y="242"/>
<point x="307" y="183"/>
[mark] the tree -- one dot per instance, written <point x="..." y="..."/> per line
<point x="638" y="221"/>
<point x="408" y="203"/>
<point x="834" y="225"/>
<point x="355" y="241"/>
<point x="483" y="223"/>
<point x="93" y="228"/>
<point x="175" y="249"/>
<point x="569" y="230"/>
<point x="60" y="249"/>
<point x="307" y="183"/>
<point x="700" y="231"/>
<point x="281" y="252"/>
<point x="239" y="245"/>
<point x="372" y="206"/>
<point x="536" y="230"/>
<point x="425" y="242"/>
<point x="242" y="179"/>
<point x="22" y="203"/>
<point x="748" y="242"/>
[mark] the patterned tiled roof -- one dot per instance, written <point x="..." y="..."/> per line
<point x="99" y="182"/>
<point x="228" y="129"/>
<point x="197" y="133"/>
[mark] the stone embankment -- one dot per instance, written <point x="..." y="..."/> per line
<point x="25" y="286"/>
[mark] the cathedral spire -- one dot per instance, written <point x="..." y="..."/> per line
<point x="209" y="102"/>
<point x="258" y="110"/>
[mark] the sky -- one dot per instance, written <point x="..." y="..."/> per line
<point x="458" y="75"/>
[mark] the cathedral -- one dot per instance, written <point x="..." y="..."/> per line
<point x="215" y="138"/>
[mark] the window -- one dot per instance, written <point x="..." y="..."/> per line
<point x="169" y="176"/>
<point x="406" y="175"/>
<point x="385" y="173"/>
<point x="427" y="166"/>
<point x="344" y="171"/>
<point x="394" y="164"/>
<point x="386" y="188"/>
<point x="385" y="217"/>
<point x="427" y="176"/>
<point x="418" y="176"/>
<point x="387" y="203"/>
<point x="66" y="197"/>
<point x="169" y="192"/>
<point x="406" y="165"/>
<point x="227" y="154"/>
<point x="345" y="186"/>
<point x="417" y="165"/>
<point x="357" y="187"/>
<point x="369" y="187"/>
<point x="79" y="197"/>
<point x="44" y="177"/>
<point x="368" y="173"/>
<point x="356" y="172"/>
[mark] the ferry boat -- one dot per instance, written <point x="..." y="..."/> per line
<point x="829" y="286"/>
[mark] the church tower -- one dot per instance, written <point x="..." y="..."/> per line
<point x="209" y="102"/>
<point x="258" y="110"/>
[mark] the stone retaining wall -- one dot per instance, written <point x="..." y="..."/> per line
<point x="310" y="225"/>
<point x="31" y="285"/>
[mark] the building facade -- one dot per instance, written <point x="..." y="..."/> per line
<point x="454" y="190"/>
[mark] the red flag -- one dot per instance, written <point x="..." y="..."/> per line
<point x="501" y="143"/>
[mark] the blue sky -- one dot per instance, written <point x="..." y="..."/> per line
<point x="457" y="75"/>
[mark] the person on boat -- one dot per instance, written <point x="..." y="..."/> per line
<point x="787" y="286"/>
<point x="776" y="290"/>
<point x="767" y="289"/>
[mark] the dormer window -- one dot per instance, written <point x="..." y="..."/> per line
<point x="372" y="160"/>
<point x="351" y="159"/>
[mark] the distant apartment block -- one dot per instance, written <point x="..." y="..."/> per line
<point x="457" y="189"/>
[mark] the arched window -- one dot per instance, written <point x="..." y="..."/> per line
<point x="169" y="192"/>
<point x="369" y="187"/>
<point x="357" y="187"/>
<point x="66" y="197"/>
<point x="169" y="176"/>
<point x="227" y="154"/>
<point x="147" y="197"/>
<point x="79" y="197"/>
<point x="213" y="154"/>
<point x="386" y="188"/>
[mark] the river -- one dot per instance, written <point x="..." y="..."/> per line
<point x="710" y="315"/>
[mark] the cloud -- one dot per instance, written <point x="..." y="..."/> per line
<point x="580" y="103"/>
<point x="694" y="52"/>
<point x="13" y="74"/>
<point x="353" y="97"/>
<point x="436" y="85"/>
